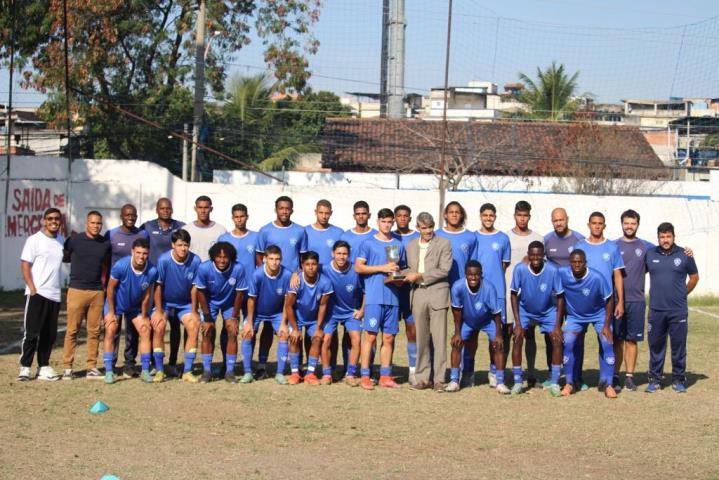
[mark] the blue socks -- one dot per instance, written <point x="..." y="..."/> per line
<point x="231" y="361"/>
<point x="282" y="349"/>
<point x="159" y="355"/>
<point x="246" y="349"/>
<point x="500" y="377"/>
<point x="311" y="363"/>
<point x="385" y="371"/>
<point x="327" y="372"/>
<point x="556" y="372"/>
<point x="145" y="361"/>
<point x="294" y="362"/>
<point x="454" y="375"/>
<point x="189" y="360"/>
<point x="107" y="358"/>
<point x="365" y="372"/>
<point x="570" y="342"/>
<point x="206" y="362"/>
<point x="411" y="354"/>
<point x="492" y="368"/>
<point x="351" y="369"/>
<point x="517" y="373"/>
<point x="606" y="361"/>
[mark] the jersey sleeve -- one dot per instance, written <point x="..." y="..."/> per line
<point x="261" y="241"/>
<point x="506" y="250"/>
<point x="607" y="290"/>
<point x="152" y="275"/>
<point x="516" y="284"/>
<point x="492" y="300"/>
<point x="327" y="287"/>
<point x="691" y="266"/>
<point x="363" y="251"/>
<point x="160" y="270"/>
<point x="200" y="280"/>
<point x="456" y="295"/>
<point x="617" y="260"/>
<point x="253" y="285"/>
<point x="241" y="282"/>
<point x="116" y="271"/>
<point x="557" y="283"/>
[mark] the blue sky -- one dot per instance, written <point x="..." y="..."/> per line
<point x="622" y="49"/>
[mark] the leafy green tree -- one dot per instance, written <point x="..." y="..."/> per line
<point x="551" y="95"/>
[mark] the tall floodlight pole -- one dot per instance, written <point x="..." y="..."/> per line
<point x="199" y="104"/>
<point x="443" y="152"/>
<point x="383" y="61"/>
<point x="395" y="63"/>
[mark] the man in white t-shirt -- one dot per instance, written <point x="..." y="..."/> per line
<point x="40" y="264"/>
<point x="204" y="232"/>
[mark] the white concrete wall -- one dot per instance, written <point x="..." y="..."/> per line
<point x="106" y="185"/>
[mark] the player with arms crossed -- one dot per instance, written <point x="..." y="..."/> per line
<point x="128" y="294"/>
<point x="220" y="284"/>
<point x="534" y="287"/>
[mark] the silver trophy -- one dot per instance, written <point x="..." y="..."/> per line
<point x="393" y="257"/>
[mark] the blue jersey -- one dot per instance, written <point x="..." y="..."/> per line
<point x="291" y="239"/>
<point x="557" y="249"/>
<point x="405" y="238"/>
<point x="668" y="276"/>
<point x="373" y="252"/>
<point x="478" y="308"/>
<point x="160" y="239"/>
<point x="308" y="299"/>
<point x="131" y="285"/>
<point x="585" y="297"/>
<point x="493" y="251"/>
<point x="355" y="240"/>
<point x="220" y="287"/>
<point x="536" y="290"/>
<point x="633" y="253"/>
<point x="322" y="241"/>
<point x="603" y="257"/>
<point x="176" y="279"/>
<point x="269" y="291"/>
<point x="464" y="246"/>
<point x="121" y="241"/>
<point x="246" y="246"/>
<point x="347" y="291"/>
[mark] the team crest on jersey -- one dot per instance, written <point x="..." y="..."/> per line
<point x="606" y="256"/>
<point x="279" y="291"/>
<point x="232" y="280"/>
<point x="144" y="285"/>
<point x="349" y="287"/>
<point x="250" y="249"/>
<point x="329" y="242"/>
<point x="478" y="305"/>
<point x="293" y="241"/>
<point x="464" y="247"/>
<point x="586" y="292"/>
<point x="638" y="252"/>
<point x="565" y="359"/>
<point x="570" y="249"/>
<point x="495" y="246"/>
<point x="677" y="262"/>
<point x="317" y="297"/>
<point x="542" y="287"/>
<point x="373" y="322"/>
<point x="190" y="275"/>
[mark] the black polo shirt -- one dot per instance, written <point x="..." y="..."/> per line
<point x="87" y="256"/>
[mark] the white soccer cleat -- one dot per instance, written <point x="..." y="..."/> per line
<point x="492" y="377"/>
<point x="47" y="374"/>
<point x="502" y="389"/>
<point x="24" y="374"/>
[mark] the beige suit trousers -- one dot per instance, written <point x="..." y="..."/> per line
<point x="431" y="325"/>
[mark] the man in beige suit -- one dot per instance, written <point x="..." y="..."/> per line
<point x="429" y="258"/>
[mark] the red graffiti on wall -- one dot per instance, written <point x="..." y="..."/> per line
<point x="26" y="210"/>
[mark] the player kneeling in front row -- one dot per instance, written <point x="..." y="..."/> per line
<point x="534" y="287"/>
<point x="589" y="301"/>
<point x="306" y="308"/>
<point x="176" y="297"/>
<point x="346" y="307"/>
<point x="475" y="307"/>
<point x="220" y="284"/>
<point x="268" y="286"/>
<point x="128" y="294"/>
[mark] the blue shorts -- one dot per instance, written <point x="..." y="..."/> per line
<point x="309" y="328"/>
<point x="214" y="311"/>
<point x="275" y="320"/>
<point x="130" y="314"/>
<point x="631" y="325"/>
<point x="383" y="318"/>
<point x="546" y="322"/>
<point x="489" y="328"/>
<point x="177" y="311"/>
<point x="575" y="325"/>
<point x="351" y="324"/>
<point x="405" y="306"/>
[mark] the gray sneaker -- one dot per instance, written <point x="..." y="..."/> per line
<point x="67" y="374"/>
<point x="24" y="374"/>
<point x="247" y="378"/>
<point x="281" y="379"/>
<point x="517" y="389"/>
<point x="94" y="374"/>
<point x="206" y="377"/>
<point x="502" y="389"/>
<point x="452" y="387"/>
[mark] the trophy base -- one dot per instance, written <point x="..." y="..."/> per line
<point x="394" y="279"/>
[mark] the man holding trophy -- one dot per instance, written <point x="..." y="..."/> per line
<point x="379" y="261"/>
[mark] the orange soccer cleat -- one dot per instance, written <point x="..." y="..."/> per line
<point x="294" y="379"/>
<point x="311" y="379"/>
<point x="367" y="384"/>
<point x="388" y="382"/>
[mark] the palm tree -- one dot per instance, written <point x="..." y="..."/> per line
<point x="551" y="97"/>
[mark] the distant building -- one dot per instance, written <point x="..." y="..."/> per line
<point x="478" y="100"/>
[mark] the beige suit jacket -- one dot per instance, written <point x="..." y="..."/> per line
<point x="437" y="263"/>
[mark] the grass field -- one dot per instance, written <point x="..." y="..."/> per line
<point x="263" y="430"/>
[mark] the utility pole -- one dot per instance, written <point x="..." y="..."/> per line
<point x="445" y="127"/>
<point x="395" y="61"/>
<point x="186" y="131"/>
<point x="199" y="104"/>
<point x="383" y="61"/>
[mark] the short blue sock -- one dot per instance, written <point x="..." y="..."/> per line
<point x="411" y="354"/>
<point x="385" y="371"/>
<point x="159" y="360"/>
<point x="294" y="362"/>
<point x="365" y="372"/>
<point x="311" y="364"/>
<point x="231" y="361"/>
<point x="327" y="372"/>
<point x="282" y="349"/>
<point x="246" y="348"/>
<point x="556" y="372"/>
<point x="351" y="369"/>
<point x="145" y="361"/>
<point x="492" y="368"/>
<point x="206" y="362"/>
<point x="107" y="357"/>
<point x="189" y="360"/>
<point x="454" y="375"/>
<point x="517" y="373"/>
<point x="500" y="377"/>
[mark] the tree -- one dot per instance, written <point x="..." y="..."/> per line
<point x="139" y="54"/>
<point x="551" y="96"/>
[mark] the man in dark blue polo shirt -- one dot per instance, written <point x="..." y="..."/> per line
<point x="668" y="266"/>
<point x="160" y="229"/>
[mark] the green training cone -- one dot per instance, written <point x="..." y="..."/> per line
<point x="99" y="407"/>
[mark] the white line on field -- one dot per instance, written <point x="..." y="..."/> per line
<point x="12" y="346"/>
<point x="704" y="312"/>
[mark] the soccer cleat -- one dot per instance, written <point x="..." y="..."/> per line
<point x="326" y="380"/>
<point x="230" y="377"/>
<point x="311" y="379"/>
<point x="261" y="374"/>
<point x="172" y="371"/>
<point x="206" y="376"/>
<point x="24" y="374"/>
<point x="188" y="377"/>
<point x="502" y="389"/>
<point x="93" y="374"/>
<point x="366" y="383"/>
<point x="145" y="376"/>
<point x="153" y="371"/>
<point x="109" y="377"/>
<point x="609" y="392"/>
<point x="583" y="387"/>
<point x="679" y="387"/>
<point x="47" y="374"/>
<point x="247" y="378"/>
<point x="531" y="383"/>
<point x="352" y="381"/>
<point x="517" y="389"/>
<point x="294" y="379"/>
<point x="128" y="371"/>
<point x="387" y="382"/>
<point x="554" y="390"/>
<point x="66" y="374"/>
<point x="159" y="377"/>
<point x="412" y="379"/>
<point x="492" y="378"/>
<point x="629" y="384"/>
<point x="281" y="379"/>
<point x="616" y="383"/>
<point x="452" y="387"/>
<point x="567" y="390"/>
<point x="467" y="380"/>
<point x="653" y="387"/>
<point x="546" y="384"/>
